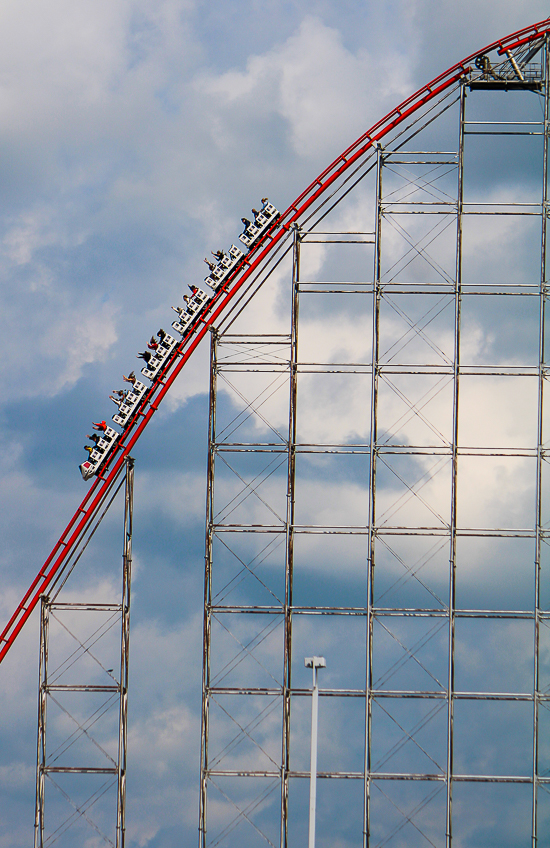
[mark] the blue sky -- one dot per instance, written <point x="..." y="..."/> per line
<point x="134" y="137"/>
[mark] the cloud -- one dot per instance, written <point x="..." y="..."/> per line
<point x="313" y="83"/>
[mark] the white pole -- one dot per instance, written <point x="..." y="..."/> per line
<point x="313" y="767"/>
<point x="313" y="663"/>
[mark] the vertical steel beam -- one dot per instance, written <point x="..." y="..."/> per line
<point x="41" y="740"/>
<point x="207" y="615"/>
<point x="454" y="475"/>
<point x="289" y="555"/>
<point x="125" y="651"/>
<point x="372" y="494"/>
<point x="540" y="457"/>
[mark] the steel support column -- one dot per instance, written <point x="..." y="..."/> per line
<point x="539" y="521"/>
<point x="42" y="707"/>
<point x="375" y="349"/>
<point x="289" y="562"/>
<point x="125" y="652"/>
<point x="207" y="616"/>
<point x="454" y="477"/>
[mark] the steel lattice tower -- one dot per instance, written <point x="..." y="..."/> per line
<point x="376" y="494"/>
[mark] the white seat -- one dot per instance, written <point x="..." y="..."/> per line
<point x="180" y="328"/>
<point x="149" y="372"/>
<point x="169" y="342"/>
<point x="87" y="469"/>
<point x="136" y="394"/>
<point x="247" y="238"/>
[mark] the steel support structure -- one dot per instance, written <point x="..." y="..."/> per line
<point x="443" y="488"/>
<point x="82" y="647"/>
<point x="484" y="68"/>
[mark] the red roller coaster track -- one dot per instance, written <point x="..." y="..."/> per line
<point x="103" y="483"/>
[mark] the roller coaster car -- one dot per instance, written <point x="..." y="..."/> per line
<point x="223" y="268"/>
<point x="263" y="220"/>
<point x="99" y="454"/>
<point x="186" y="315"/>
<point x="162" y="352"/>
<point x="181" y="326"/>
<point x="129" y="404"/>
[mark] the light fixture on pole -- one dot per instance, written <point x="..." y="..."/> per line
<point x="314" y="663"/>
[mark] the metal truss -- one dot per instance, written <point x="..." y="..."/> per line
<point x="84" y="763"/>
<point x="352" y="508"/>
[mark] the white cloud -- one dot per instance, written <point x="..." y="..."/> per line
<point x="317" y="86"/>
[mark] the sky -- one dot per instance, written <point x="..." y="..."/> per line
<point x="134" y="137"/>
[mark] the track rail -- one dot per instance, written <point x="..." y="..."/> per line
<point x="260" y="253"/>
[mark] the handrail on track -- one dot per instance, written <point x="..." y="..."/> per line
<point x="103" y="483"/>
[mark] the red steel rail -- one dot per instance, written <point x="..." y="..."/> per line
<point x="103" y="483"/>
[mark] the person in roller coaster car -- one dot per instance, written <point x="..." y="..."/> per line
<point x="101" y="425"/>
<point x="161" y="334"/>
<point x="219" y="255"/>
<point x="131" y="378"/>
<point x="211" y="265"/>
<point x="152" y="344"/>
<point x="89" y="448"/>
<point x="94" y="437"/>
<point x="120" y="396"/>
<point x="255" y="212"/>
<point x="187" y="297"/>
<point x="146" y="355"/>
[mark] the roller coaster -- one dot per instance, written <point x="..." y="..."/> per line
<point x="518" y="48"/>
<point x="505" y="64"/>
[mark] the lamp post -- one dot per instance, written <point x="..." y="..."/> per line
<point x="314" y="663"/>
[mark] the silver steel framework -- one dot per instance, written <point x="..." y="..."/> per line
<point x="92" y="785"/>
<point x="440" y="668"/>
